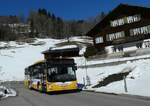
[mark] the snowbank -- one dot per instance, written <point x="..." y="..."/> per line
<point x="6" y="92"/>
<point x="64" y="47"/>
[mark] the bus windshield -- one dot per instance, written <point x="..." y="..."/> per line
<point x="61" y="74"/>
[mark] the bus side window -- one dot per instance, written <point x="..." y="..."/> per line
<point x="70" y="71"/>
<point x="75" y="68"/>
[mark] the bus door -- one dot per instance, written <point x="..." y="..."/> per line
<point x="43" y="79"/>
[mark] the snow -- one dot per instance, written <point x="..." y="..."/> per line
<point x="82" y="51"/>
<point x="2" y="94"/>
<point x="82" y="39"/>
<point x="2" y="44"/>
<point x="137" y="86"/>
<point x="98" y="73"/>
<point x="13" y="60"/>
<point x="10" y="92"/>
<point x="64" y="47"/>
<point x="128" y="47"/>
<point x="94" y="62"/>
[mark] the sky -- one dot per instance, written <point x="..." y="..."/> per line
<point x="67" y="9"/>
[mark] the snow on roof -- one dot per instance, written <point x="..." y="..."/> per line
<point x="64" y="47"/>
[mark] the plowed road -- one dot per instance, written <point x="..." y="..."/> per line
<point x="33" y="98"/>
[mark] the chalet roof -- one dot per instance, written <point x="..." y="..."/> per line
<point x="119" y="10"/>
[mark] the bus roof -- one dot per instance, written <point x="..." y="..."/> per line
<point x="36" y="63"/>
<point x="40" y="61"/>
<point x="65" y="53"/>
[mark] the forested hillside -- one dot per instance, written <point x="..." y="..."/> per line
<point x="44" y="23"/>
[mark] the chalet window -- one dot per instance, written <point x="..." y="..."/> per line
<point x="135" y="18"/>
<point x="148" y="28"/>
<point x="117" y="22"/>
<point x="144" y="30"/>
<point x="130" y="19"/>
<point x="122" y="21"/>
<point x="141" y="30"/>
<point x="136" y="31"/>
<point x="99" y="40"/>
<point x="114" y="23"/>
<point x="110" y="37"/>
<point x="131" y="32"/>
<point x="116" y="35"/>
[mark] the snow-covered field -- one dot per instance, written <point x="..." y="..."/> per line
<point x="137" y="80"/>
<point x="15" y="59"/>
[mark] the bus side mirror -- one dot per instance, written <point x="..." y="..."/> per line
<point x="75" y="67"/>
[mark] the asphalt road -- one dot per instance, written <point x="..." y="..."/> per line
<point x="33" y="98"/>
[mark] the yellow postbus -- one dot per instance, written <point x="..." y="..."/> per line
<point x="52" y="75"/>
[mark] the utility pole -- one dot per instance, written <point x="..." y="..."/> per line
<point x="87" y="77"/>
<point x="0" y="74"/>
<point x="125" y="84"/>
<point x="84" y="83"/>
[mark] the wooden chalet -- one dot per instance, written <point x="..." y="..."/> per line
<point x="123" y="27"/>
